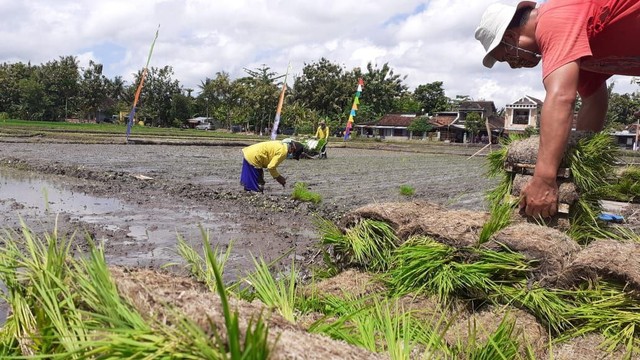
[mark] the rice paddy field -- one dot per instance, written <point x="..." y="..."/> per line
<point x="382" y="251"/>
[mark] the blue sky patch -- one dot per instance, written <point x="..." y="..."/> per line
<point x="398" y="18"/>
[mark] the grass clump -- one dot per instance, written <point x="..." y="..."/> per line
<point x="302" y="193"/>
<point x="369" y="244"/>
<point x="407" y="190"/>
<point x="424" y="265"/>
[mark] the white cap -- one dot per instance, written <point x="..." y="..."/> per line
<point x="493" y="25"/>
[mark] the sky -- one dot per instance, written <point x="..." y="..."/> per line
<point x="424" y="40"/>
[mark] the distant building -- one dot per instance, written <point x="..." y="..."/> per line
<point x="627" y="137"/>
<point x="393" y="126"/>
<point x="523" y="113"/>
<point x="450" y="125"/>
<point x="201" y="120"/>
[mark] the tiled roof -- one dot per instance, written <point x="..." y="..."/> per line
<point x="396" y="120"/>
<point x="443" y="119"/>
<point x="496" y="122"/>
<point x="488" y="106"/>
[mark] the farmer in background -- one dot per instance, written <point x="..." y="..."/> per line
<point x="266" y="155"/>
<point x="581" y="44"/>
<point x="322" y="134"/>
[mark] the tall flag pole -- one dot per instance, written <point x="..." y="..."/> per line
<point x="276" y="121"/>
<point x="139" y="89"/>
<point x="354" y="108"/>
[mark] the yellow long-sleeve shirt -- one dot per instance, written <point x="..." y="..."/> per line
<point x="322" y="133"/>
<point x="266" y="155"/>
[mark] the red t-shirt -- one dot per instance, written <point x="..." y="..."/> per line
<point x="603" y="34"/>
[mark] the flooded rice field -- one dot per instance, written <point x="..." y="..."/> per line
<point x="136" y="199"/>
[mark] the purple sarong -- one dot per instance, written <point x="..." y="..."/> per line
<point x="251" y="178"/>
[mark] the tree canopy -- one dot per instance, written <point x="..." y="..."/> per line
<point x="60" y="89"/>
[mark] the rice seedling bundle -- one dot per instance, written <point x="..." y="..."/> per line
<point x="589" y="158"/>
<point x="301" y="192"/>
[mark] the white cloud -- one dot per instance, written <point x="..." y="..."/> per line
<point x="426" y="40"/>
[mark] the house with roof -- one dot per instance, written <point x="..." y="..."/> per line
<point x="450" y="125"/>
<point x="521" y="114"/>
<point x="447" y="125"/>
<point x="390" y="126"/>
<point x="627" y="138"/>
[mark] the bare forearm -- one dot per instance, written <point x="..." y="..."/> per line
<point x="555" y="126"/>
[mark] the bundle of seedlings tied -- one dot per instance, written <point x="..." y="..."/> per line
<point x="586" y="164"/>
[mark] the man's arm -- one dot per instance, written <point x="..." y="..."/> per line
<point x="540" y="196"/>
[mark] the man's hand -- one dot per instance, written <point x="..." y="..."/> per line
<point x="281" y="180"/>
<point x="540" y="197"/>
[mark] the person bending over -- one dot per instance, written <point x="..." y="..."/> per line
<point x="266" y="155"/>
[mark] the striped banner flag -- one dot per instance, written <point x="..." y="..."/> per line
<point x="354" y="109"/>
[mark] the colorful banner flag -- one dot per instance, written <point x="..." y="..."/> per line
<point x="276" y="121"/>
<point x="143" y="76"/>
<point x="354" y="108"/>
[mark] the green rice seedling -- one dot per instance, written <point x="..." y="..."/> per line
<point x="607" y="309"/>
<point x="302" y="193"/>
<point x="37" y="277"/>
<point x="423" y="264"/>
<point x="407" y="190"/>
<point x="256" y="345"/>
<point x="430" y="334"/>
<point x="334" y="254"/>
<point x="416" y="262"/>
<point x="548" y="306"/>
<point x="368" y="244"/>
<point x="499" y="219"/>
<point x="279" y="294"/>
<point x="625" y="187"/>
<point x="398" y="329"/>
<point x="501" y="344"/>
<point x="372" y="243"/>
<point x="45" y="195"/>
<point x="592" y="160"/>
<point x="341" y="320"/>
<point x="97" y="291"/>
<point x="119" y="331"/>
<point x="197" y="265"/>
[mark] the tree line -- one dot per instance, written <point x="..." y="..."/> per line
<point x="324" y="90"/>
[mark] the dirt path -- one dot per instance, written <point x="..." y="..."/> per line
<point x="97" y="188"/>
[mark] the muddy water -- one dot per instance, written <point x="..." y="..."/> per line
<point x="148" y="236"/>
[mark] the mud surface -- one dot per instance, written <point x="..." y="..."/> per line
<point x="136" y="199"/>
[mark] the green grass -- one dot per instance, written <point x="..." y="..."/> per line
<point x="407" y="190"/>
<point x="301" y="192"/>
<point x="87" y="129"/>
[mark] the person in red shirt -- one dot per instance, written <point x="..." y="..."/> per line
<point x="581" y="44"/>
